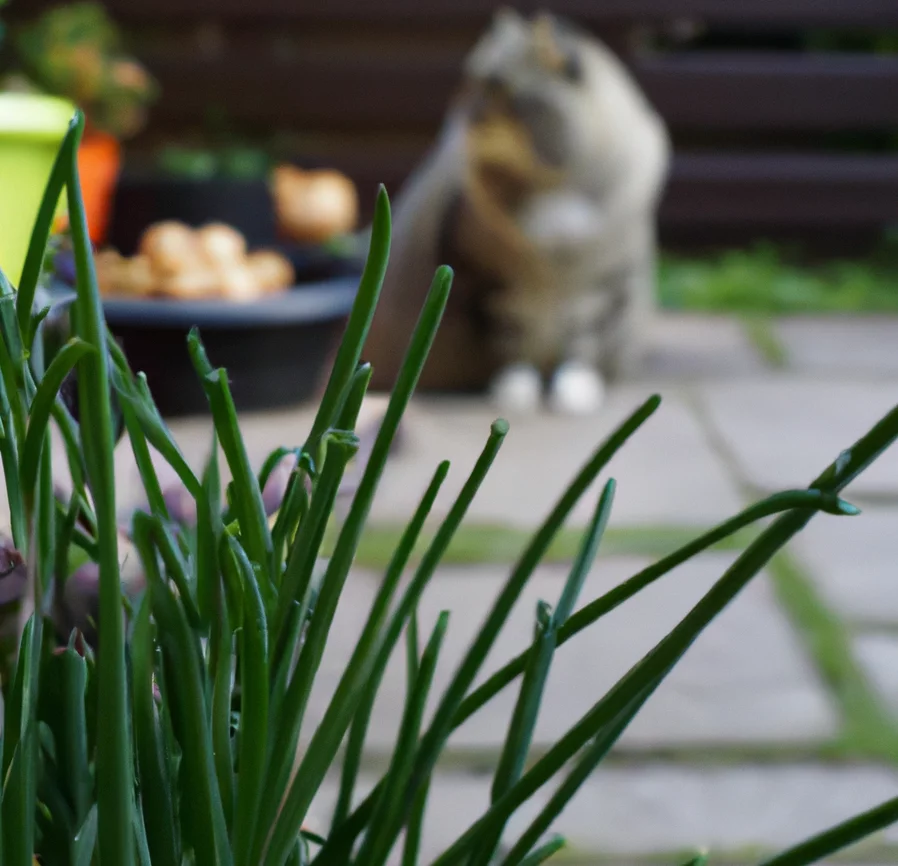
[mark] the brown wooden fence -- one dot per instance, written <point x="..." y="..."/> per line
<point x="759" y="120"/>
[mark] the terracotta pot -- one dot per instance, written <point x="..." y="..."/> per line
<point x="99" y="164"/>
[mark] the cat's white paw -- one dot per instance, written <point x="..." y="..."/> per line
<point x="577" y="389"/>
<point x="518" y="388"/>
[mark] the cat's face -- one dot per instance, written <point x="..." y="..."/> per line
<point x="574" y="96"/>
<point x="516" y="49"/>
<point x="533" y="68"/>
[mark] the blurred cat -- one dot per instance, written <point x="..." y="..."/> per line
<point x="541" y="193"/>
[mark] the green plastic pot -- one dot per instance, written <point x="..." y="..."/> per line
<point x="31" y="129"/>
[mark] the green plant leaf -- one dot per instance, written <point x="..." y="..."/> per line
<point x="134" y="391"/>
<point x="152" y="767"/>
<point x="823" y="845"/>
<point x="348" y="355"/>
<point x="43" y="553"/>
<point x="294" y="506"/>
<point x="321" y="750"/>
<point x="632" y="690"/>
<point x="177" y="570"/>
<point x="34" y="259"/>
<point x="64" y="541"/>
<point x="65" y="678"/>
<point x="141" y="843"/>
<point x="209" y="529"/>
<point x="544" y="852"/>
<point x="355" y="396"/>
<point x="524" y="717"/>
<point x="376" y="847"/>
<point x="21" y="755"/>
<point x="339" y="450"/>
<point x="594" y="610"/>
<point x="222" y="669"/>
<point x="248" y="505"/>
<point x="536" y="674"/>
<point x="71" y="439"/>
<point x="342" y="838"/>
<point x="415" y="827"/>
<point x="412" y="595"/>
<point x="11" y="433"/>
<point x="353" y="757"/>
<point x="144" y="461"/>
<point x="114" y="777"/>
<point x="13" y="359"/>
<point x="582" y="770"/>
<point x="41" y="407"/>
<point x="205" y="829"/>
<point x="253" y="732"/>
<point x="85" y="840"/>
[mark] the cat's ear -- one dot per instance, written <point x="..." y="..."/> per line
<point x="554" y="53"/>
<point x="508" y="23"/>
<point x="507" y="19"/>
<point x="549" y="53"/>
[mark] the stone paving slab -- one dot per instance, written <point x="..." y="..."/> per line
<point x="659" y="808"/>
<point x="841" y="345"/>
<point x="667" y="473"/>
<point x="783" y="432"/>
<point x="854" y="561"/>
<point x="688" y="345"/>
<point x="745" y="681"/>
<point x="878" y="655"/>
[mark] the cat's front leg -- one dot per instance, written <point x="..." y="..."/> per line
<point x="577" y="386"/>
<point x="517" y="386"/>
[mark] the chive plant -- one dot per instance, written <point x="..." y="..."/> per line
<point x="165" y="743"/>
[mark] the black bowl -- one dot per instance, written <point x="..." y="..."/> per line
<point x="144" y="199"/>
<point x="275" y="350"/>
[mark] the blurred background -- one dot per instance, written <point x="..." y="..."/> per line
<point x="782" y="114"/>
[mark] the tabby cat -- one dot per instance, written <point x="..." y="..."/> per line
<point x="541" y="193"/>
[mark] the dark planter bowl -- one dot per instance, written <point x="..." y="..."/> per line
<point x="276" y="350"/>
<point x="143" y="199"/>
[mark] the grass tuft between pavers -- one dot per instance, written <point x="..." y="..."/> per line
<point x="868" y="729"/>
<point x="481" y="544"/>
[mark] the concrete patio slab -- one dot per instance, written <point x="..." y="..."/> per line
<point x="658" y="809"/>
<point x="783" y="432"/>
<point x="841" y="346"/>
<point x="746" y="681"/>
<point x="854" y="561"/>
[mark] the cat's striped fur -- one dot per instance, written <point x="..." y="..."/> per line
<point x="541" y="193"/>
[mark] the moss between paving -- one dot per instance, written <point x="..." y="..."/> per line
<point x="489" y="545"/>
<point x="862" y="855"/>
<point x="869" y="730"/>
<point x="763" y="337"/>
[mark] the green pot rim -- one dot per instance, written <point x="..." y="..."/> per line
<point x="34" y="117"/>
